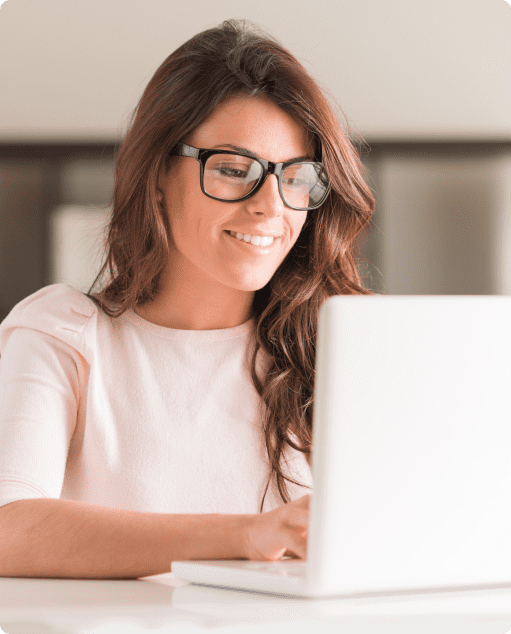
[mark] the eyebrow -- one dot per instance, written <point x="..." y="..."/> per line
<point x="244" y="150"/>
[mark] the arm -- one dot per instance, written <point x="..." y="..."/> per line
<point x="66" y="539"/>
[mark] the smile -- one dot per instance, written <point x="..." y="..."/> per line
<point x="263" y="241"/>
<point x="249" y="243"/>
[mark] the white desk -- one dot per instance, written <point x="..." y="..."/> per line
<point x="164" y="604"/>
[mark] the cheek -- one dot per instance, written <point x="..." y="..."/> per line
<point x="298" y="226"/>
<point x="182" y="213"/>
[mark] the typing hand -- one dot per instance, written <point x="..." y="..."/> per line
<point x="279" y="533"/>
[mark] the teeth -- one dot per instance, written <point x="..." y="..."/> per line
<point x="255" y="240"/>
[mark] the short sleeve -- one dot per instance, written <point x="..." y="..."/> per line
<point x="44" y="361"/>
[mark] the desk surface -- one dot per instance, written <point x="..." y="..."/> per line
<point x="164" y="604"/>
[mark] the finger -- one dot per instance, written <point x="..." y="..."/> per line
<point x="288" y="553"/>
<point x="297" y="545"/>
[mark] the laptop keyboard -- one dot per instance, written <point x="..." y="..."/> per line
<point x="283" y="567"/>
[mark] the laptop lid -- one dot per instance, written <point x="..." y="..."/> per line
<point x="412" y="444"/>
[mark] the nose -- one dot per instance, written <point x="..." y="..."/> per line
<point x="267" y="199"/>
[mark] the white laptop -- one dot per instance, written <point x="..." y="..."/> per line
<point x="411" y="453"/>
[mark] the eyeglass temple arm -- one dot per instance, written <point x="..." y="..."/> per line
<point x="182" y="149"/>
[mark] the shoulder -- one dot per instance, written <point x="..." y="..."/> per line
<point x="58" y="310"/>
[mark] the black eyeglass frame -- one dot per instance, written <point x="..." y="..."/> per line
<point x="202" y="155"/>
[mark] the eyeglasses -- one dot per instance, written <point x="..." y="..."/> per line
<point x="233" y="177"/>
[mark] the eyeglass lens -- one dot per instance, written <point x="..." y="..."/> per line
<point x="231" y="176"/>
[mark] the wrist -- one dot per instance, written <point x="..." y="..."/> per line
<point x="240" y="533"/>
<point x="211" y="536"/>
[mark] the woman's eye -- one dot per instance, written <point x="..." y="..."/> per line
<point x="232" y="172"/>
<point x="295" y="182"/>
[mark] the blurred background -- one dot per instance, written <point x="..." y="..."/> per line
<point x="426" y="85"/>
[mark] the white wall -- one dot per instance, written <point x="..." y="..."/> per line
<point x="74" y="70"/>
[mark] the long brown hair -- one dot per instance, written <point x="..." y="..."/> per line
<point x="233" y="59"/>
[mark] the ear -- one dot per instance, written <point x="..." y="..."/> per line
<point x="160" y="187"/>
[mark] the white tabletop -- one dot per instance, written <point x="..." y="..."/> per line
<point x="164" y="604"/>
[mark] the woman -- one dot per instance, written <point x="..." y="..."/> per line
<point x="144" y="423"/>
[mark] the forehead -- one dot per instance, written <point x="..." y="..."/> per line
<point x="255" y="123"/>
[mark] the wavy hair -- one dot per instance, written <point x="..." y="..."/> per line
<point x="239" y="59"/>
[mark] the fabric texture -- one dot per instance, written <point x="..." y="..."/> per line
<point x="128" y="414"/>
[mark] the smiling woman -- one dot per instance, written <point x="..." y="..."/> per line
<point x="145" y="422"/>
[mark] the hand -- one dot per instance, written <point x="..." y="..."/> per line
<point x="281" y="532"/>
